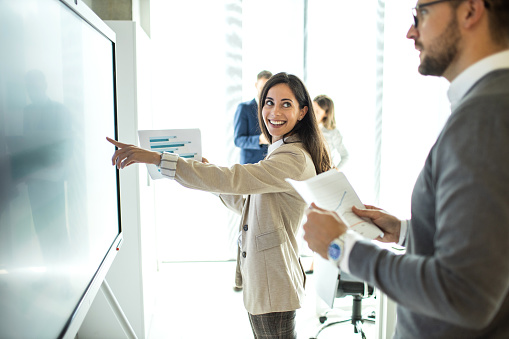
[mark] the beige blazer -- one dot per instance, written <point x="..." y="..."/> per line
<point x="268" y="263"/>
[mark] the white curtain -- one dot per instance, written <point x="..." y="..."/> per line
<point x="342" y="64"/>
<point x="359" y="55"/>
<point x="207" y="55"/>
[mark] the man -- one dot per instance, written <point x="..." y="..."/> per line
<point x="453" y="281"/>
<point x="247" y="134"/>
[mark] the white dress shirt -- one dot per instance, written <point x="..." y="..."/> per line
<point x="463" y="82"/>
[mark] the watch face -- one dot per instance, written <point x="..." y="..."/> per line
<point x="334" y="251"/>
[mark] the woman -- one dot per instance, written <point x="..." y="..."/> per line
<point x="324" y="110"/>
<point x="268" y="264"/>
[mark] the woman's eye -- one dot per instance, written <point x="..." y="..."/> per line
<point x="423" y="11"/>
<point x="269" y="103"/>
<point x="286" y="104"/>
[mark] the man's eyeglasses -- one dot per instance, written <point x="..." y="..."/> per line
<point x="417" y="8"/>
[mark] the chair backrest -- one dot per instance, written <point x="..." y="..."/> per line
<point x="349" y="285"/>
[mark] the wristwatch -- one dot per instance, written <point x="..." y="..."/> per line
<point x="336" y="250"/>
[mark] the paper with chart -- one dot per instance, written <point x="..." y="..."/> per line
<point x="332" y="191"/>
<point x="184" y="142"/>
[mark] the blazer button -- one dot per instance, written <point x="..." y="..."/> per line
<point x="245" y="227"/>
<point x="244" y="254"/>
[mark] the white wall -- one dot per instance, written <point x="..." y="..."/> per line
<point x="415" y="108"/>
<point x="342" y="65"/>
<point x="272" y="39"/>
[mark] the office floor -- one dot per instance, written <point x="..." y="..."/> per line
<point x="196" y="300"/>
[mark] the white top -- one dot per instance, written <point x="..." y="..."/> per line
<point x="274" y="146"/>
<point x="337" y="149"/>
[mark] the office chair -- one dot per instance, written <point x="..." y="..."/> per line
<point x="348" y="285"/>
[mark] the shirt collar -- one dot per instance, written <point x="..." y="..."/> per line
<point x="464" y="82"/>
<point x="274" y="146"/>
<point x="289" y="139"/>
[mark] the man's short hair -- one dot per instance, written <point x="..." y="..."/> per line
<point x="264" y="75"/>
<point x="498" y="14"/>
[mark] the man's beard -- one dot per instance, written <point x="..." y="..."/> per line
<point x="442" y="52"/>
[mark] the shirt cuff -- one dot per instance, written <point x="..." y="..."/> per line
<point x="168" y="165"/>
<point x="402" y="231"/>
<point x="351" y="237"/>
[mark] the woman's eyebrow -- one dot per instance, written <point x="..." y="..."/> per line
<point x="285" y="99"/>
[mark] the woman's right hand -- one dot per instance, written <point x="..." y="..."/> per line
<point x="129" y="154"/>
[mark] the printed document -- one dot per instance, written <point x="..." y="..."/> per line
<point x="332" y="191"/>
<point x="184" y="142"/>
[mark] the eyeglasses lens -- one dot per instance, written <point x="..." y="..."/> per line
<point x="414" y="14"/>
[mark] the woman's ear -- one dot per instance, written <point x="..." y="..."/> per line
<point x="303" y="113"/>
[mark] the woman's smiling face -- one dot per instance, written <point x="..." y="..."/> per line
<point x="281" y="111"/>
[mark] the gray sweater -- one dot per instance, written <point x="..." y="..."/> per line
<point x="453" y="282"/>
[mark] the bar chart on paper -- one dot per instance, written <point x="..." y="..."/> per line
<point x="184" y="142"/>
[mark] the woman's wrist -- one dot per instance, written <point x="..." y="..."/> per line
<point x="157" y="158"/>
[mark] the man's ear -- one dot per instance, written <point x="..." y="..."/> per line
<point x="471" y="13"/>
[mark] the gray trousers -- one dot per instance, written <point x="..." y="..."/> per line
<point x="277" y="325"/>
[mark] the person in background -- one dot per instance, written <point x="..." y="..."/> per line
<point x="268" y="263"/>
<point x="324" y="110"/>
<point x="247" y="134"/>
<point x="453" y="281"/>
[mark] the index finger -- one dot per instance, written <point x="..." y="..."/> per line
<point x="116" y="143"/>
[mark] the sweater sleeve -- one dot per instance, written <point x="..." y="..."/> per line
<point x="459" y="273"/>
<point x="266" y="176"/>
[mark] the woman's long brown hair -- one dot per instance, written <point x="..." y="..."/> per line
<point x="307" y="129"/>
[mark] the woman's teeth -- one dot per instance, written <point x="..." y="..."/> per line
<point x="277" y="122"/>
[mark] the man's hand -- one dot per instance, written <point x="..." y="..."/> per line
<point x="129" y="154"/>
<point x="389" y="224"/>
<point x="321" y="228"/>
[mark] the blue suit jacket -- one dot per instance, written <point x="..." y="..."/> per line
<point x="247" y="133"/>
